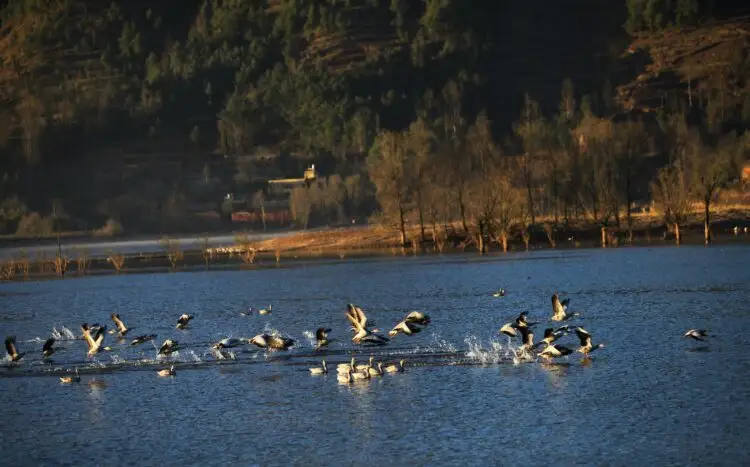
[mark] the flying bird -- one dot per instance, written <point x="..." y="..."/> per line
<point x="585" y="338"/>
<point x="417" y="317"/>
<point x="183" y="321"/>
<point x="321" y="337"/>
<point x="95" y="342"/>
<point x="10" y="347"/>
<point x="47" y="349"/>
<point x="560" y="309"/>
<point x="168" y="347"/>
<point x="697" y="334"/>
<point x="121" y="328"/>
<point x="269" y="341"/>
<point x="362" y="334"/>
<point x="554" y="351"/>
<point x="144" y="338"/>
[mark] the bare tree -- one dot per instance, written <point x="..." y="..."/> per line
<point x="671" y="192"/>
<point x="598" y="192"/>
<point x="421" y="146"/>
<point x="712" y="168"/>
<point x="632" y="145"/>
<point x="301" y="206"/>
<point x="387" y="165"/>
<point x="530" y="128"/>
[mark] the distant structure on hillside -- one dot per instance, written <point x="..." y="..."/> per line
<point x="273" y="206"/>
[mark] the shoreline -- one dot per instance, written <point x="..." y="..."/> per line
<point x="334" y="245"/>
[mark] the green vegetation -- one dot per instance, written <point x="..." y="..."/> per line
<point x="139" y="116"/>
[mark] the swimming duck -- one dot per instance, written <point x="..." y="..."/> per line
<point x="167" y="371"/>
<point x="585" y="338"/>
<point x="346" y="378"/>
<point x="96" y="342"/>
<point x="141" y="339"/>
<point x="362" y="334"/>
<point x="168" y="347"/>
<point x="71" y="379"/>
<point x="265" y="311"/>
<point x="364" y="366"/>
<point x="47" y="349"/>
<point x="121" y="328"/>
<point x="183" y="321"/>
<point x="499" y="293"/>
<point x="319" y="370"/>
<point x="395" y="368"/>
<point x="361" y="374"/>
<point x="345" y="367"/>
<point x="559" y="309"/>
<point x="697" y="334"/>
<point x="10" y="347"/>
<point x="376" y="370"/>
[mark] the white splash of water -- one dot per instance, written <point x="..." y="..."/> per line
<point x="63" y="334"/>
<point x="487" y="356"/>
<point x="117" y="360"/>
<point x="310" y="336"/>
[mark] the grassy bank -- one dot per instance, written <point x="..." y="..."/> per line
<point x="730" y="226"/>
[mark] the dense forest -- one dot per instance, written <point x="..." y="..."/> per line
<point x="496" y="115"/>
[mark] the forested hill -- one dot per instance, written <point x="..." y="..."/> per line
<point x="90" y="88"/>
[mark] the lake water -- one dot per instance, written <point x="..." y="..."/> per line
<point x="648" y="397"/>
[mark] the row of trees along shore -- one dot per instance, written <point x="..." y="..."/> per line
<point x="576" y="165"/>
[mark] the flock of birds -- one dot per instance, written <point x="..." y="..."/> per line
<point x="363" y="333"/>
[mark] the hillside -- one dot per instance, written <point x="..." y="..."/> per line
<point x="141" y="111"/>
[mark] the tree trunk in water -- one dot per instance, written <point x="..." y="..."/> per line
<point x="677" y="237"/>
<point x="480" y="238"/>
<point x="604" y="236"/>
<point x="462" y="210"/>
<point x="421" y="214"/>
<point x="402" y="224"/>
<point x="707" y="220"/>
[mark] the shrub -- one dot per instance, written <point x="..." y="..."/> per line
<point x="35" y="225"/>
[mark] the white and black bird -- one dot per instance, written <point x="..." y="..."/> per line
<point x="168" y="347"/>
<point x="522" y="322"/>
<point x="551" y="335"/>
<point x="95" y="342"/>
<point x="527" y="338"/>
<point x="362" y="334"/>
<point x="697" y="334"/>
<point x="272" y="342"/>
<point x="560" y="309"/>
<point x="321" y="337"/>
<point x="167" y="371"/>
<point x="586" y="346"/>
<point x="554" y="351"/>
<point x="144" y="338"/>
<point x="404" y="327"/>
<point x="229" y="342"/>
<point x="509" y="329"/>
<point x="10" y="347"/>
<point x="47" y="349"/>
<point x="417" y="317"/>
<point x="265" y="311"/>
<point x="183" y="321"/>
<point x="121" y="328"/>
<point x="76" y="378"/>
